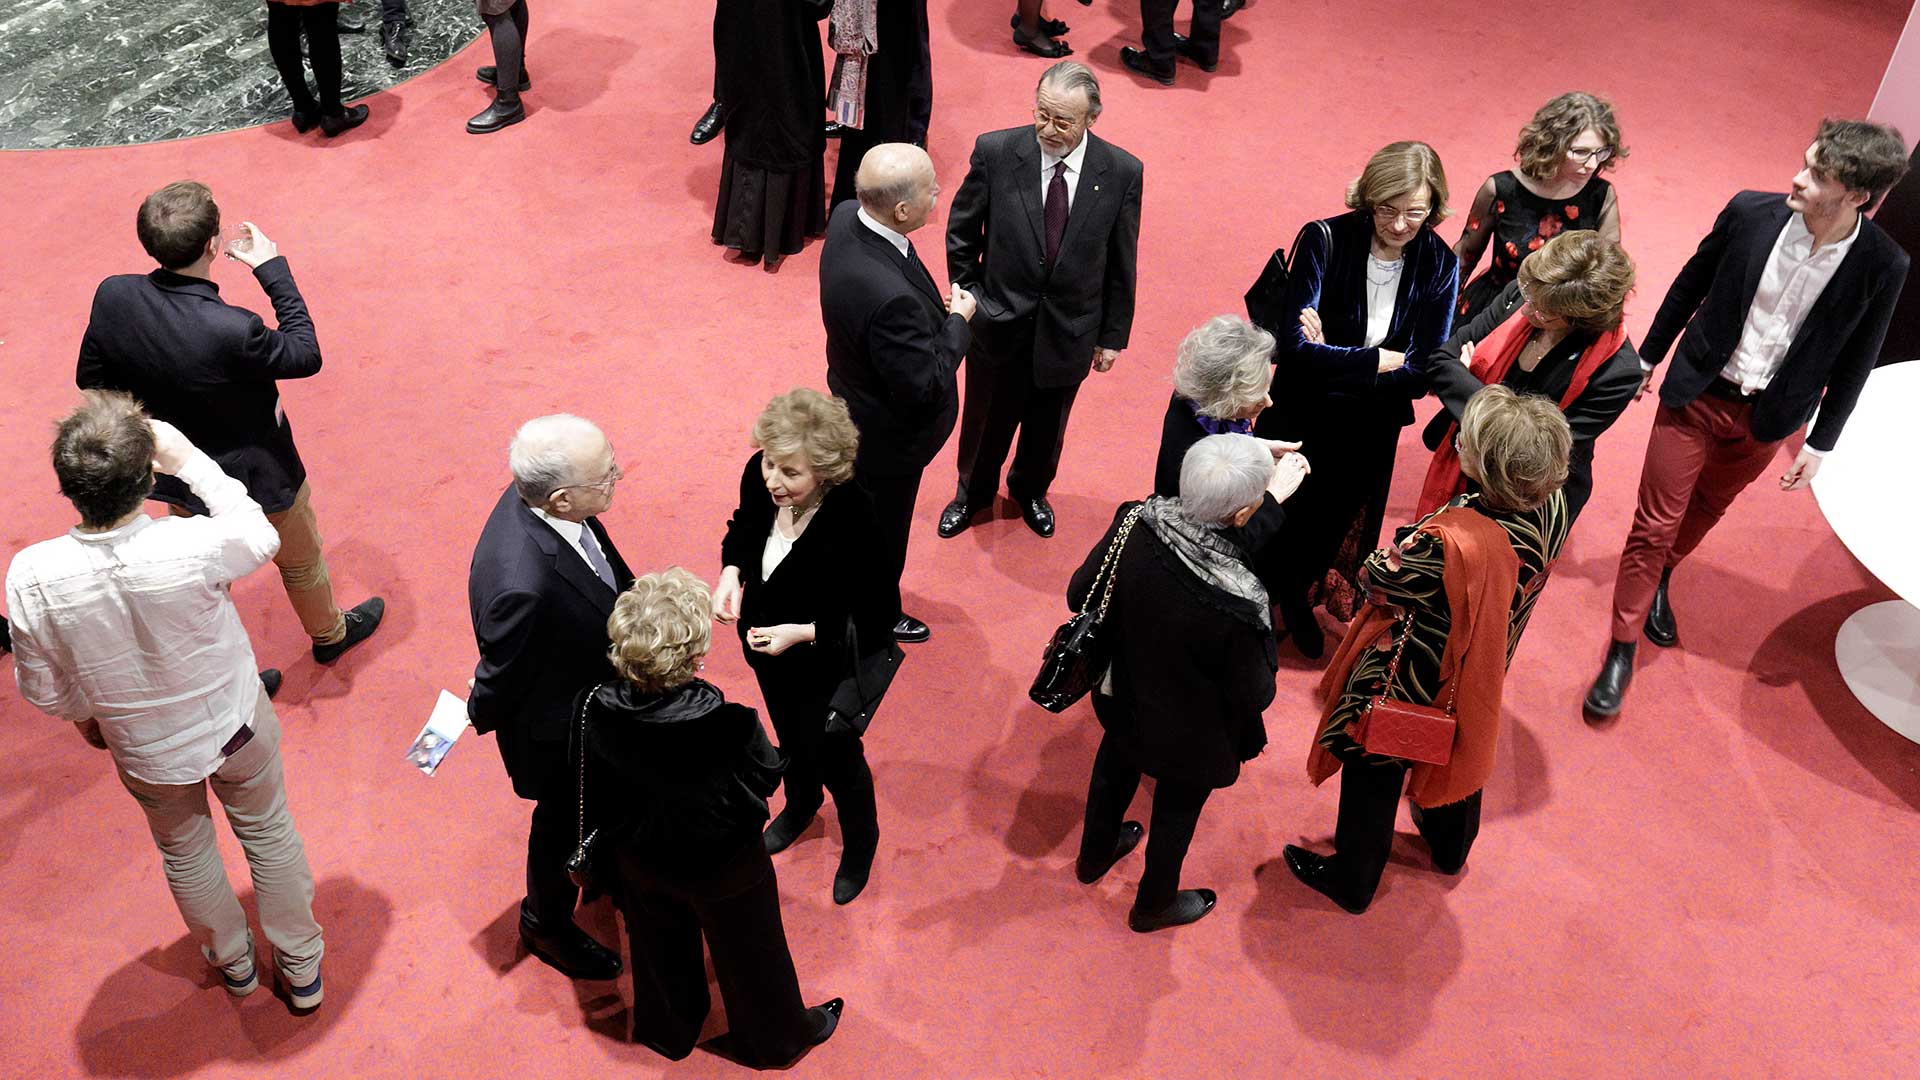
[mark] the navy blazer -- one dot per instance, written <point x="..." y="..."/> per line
<point x="1332" y="279"/>
<point x="892" y="347"/>
<point x="1831" y="355"/>
<point x="209" y="369"/>
<point x="996" y="249"/>
<point x="540" y="618"/>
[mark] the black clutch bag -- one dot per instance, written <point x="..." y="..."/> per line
<point x="1075" y="658"/>
<point x="858" y="696"/>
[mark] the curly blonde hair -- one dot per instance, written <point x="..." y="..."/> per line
<point x="1544" y="140"/>
<point x="661" y="627"/>
<point x="1582" y="277"/>
<point x="807" y="423"/>
<point x="1398" y="169"/>
<point x="1517" y="444"/>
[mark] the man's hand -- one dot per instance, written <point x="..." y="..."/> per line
<point x="1103" y="359"/>
<point x="170" y="448"/>
<point x="1310" y="326"/>
<point x="1800" y="473"/>
<point x="255" y="248"/>
<point x="1390" y="361"/>
<point x="961" y="302"/>
<point x="726" y="595"/>
<point x="90" y="730"/>
<point x="774" y="640"/>
<point x="1288" y="471"/>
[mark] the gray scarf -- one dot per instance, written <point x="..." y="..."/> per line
<point x="1217" y="561"/>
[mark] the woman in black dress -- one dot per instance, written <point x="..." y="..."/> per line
<point x="802" y="570"/>
<point x="772" y="175"/>
<point x="676" y="780"/>
<point x="1369" y="295"/>
<point x="1558" y="188"/>
<point x="1220" y="379"/>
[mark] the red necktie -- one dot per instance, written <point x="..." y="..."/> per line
<point x="1056" y="210"/>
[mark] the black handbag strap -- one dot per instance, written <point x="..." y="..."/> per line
<point x="1103" y="579"/>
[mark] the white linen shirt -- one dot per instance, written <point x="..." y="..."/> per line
<point x="1793" y="279"/>
<point x="1074" y="158"/>
<point x="134" y="627"/>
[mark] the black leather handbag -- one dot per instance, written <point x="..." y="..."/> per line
<point x="1269" y="289"/>
<point x="858" y="696"/>
<point x="1075" y="658"/>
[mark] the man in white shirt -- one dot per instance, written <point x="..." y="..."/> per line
<point x="1783" y="309"/>
<point x="125" y="627"/>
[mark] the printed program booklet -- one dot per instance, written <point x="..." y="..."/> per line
<point x="444" y="728"/>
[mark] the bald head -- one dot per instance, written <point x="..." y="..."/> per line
<point x="896" y="185"/>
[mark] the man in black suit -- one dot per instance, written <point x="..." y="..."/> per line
<point x="543" y="581"/>
<point x="1043" y="231"/>
<point x="211" y="370"/>
<point x="893" y="342"/>
<point x="1783" y="309"/>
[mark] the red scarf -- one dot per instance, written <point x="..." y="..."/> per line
<point x="1492" y="359"/>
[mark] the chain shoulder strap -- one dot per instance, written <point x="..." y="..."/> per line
<point x="1104" y="579"/>
<point x="580" y="836"/>
<point x="1406" y="629"/>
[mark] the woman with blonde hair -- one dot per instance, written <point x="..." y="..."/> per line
<point x="1446" y="605"/>
<point x="1558" y="188"/>
<point x="805" y="581"/>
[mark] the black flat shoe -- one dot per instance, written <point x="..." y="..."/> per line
<point x="505" y="111"/>
<point x="363" y="620"/>
<point x="1609" y="690"/>
<point x="910" y="631"/>
<point x="955" y="519"/>
<point x="489" y="73"/>
<point x="1228" y="7"/>
<point x="1188" y="49"/>
<point x="1660" y="626"/>
<point x="343" y="121"/>
<point x="709" y="125"/>
<point x="1140" y="63"/>
<point x="1049" y="27"/>
<point x="1189" y="906"/>
<point x="1038" y="514"/>
<point x="1041" y="45"/>
<point x="782" y="831"/>
<point x="304" y="122"/>
<point x="1315" y="871"/>
<point x="1130" y="834"/>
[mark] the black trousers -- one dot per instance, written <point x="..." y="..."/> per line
<point x="818" y="763"/>
<point x="893" y="498"/>
<point x="920" y="88"/>
<point x="554" y="833"/>
<point x="1156" y="17"/>
<point x="1001" y="398"/>
<point x="737" y="910"/>
<point x="1176" y="810"/>
<point x="1369" y="798"/>
<point x="320" y="23"/>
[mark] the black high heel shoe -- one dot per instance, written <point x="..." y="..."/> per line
<point x="1042" y="45"/>
<point x="1049" y="27"/>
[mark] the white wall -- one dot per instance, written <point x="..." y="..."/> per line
<point x="1898" y="102"/>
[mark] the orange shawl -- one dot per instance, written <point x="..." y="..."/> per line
<point x="1481" y="574"/>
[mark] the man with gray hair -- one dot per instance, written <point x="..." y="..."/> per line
<point x="544" y="578"/>
<point x="1043" y="230"/>
<point x="1191" y="663"/>
<point x="894" y="343"/>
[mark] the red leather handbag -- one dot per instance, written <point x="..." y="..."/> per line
<point x="1401" y="729"/>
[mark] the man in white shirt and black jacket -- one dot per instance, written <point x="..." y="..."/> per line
<point x="1780" y="312"/>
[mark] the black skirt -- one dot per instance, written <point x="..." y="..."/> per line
<point x="762" y="212"/>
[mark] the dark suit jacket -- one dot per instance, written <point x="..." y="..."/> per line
<point x="208" y="368"/>
<point x="540" y="618"/>
<point x="892" y="348"/>
<point x="996" y="249"/>
<point x="1831" y="355"/>
<point x="1609" y="391"/>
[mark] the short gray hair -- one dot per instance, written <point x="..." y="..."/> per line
<point x="1222" y="474"/>
<point x="1070" y="75"/>
<point x="541" y="457"/>
<point x="1222" y="366"/>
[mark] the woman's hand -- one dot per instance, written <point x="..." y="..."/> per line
<point x="1288" y="471"/>
<point x="774" y="640"/>
<point x="726" y="595"/>
<point x="1390" y="361"/>
<point x="1310" y="327"/>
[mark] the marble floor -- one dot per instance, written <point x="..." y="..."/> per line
<point x="112" y="72"/>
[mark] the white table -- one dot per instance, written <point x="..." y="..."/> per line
<point x="1869" y="491"/>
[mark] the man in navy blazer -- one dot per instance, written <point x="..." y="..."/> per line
<point x="894" y="342"/>
<point x="211" y="369"/>
<point x="542" y="585"/>
<point x="1780" y="312"/>
<point x="1044" y="231"/>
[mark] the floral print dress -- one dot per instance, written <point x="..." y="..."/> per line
<point x="1522" y="221"/>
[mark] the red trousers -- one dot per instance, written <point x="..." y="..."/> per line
<point x="1698" y="459"/>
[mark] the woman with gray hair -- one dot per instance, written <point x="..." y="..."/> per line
<point x="1220" y="380"/>
<point x="1192" y="658"/>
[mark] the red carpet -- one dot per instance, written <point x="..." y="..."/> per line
<point x="1722" y="885"/>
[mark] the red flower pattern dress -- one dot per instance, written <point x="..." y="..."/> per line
<point x="1522" y="221"/>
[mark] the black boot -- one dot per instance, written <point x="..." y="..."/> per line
<point x="505" y="111"/>
<point x="1660" y="627"/>
<point x="856" y="866"/>
<point x="1610" y="686"/>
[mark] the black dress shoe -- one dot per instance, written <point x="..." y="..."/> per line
<point x="1188" y="49"/>
<point x="1316" y="872"/>
<point x="394" y="39"/>
<point x="1038" y="514"/>
<point x="782" y="831"/>
<point x="489" y="73"/>
<point x="362" y="621"/>
<point x="1140" y="63"/>
<point x="856" y="865"/>
<point x="955" y="518"/>
<point x="1609" y="688"/>
<point x="1228" y="7"/>
<point x="1130" y="834"/>
<point x="1189" y="906"/>
<point x="1303" y="627"/>
<point x="709" y="124"/>
<point x="1660" y="627"/>
<point x="348" y="21"/>
<point x="343" y="121"/>
<point x="505" y="111"/>
<point x="910" y="630"/>
<point x="832" y="129"/>
<point x="270" y="680"/>
<point x="568" y="949"/>
<point x="304" y="122"/>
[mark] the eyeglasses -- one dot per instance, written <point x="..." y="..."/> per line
<point x="1062" y="124"/>
<point x="1387" y="215"/>
<point x="1599" y="155"/>
<point x="604" y="484"/>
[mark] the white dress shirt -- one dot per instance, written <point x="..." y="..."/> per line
<point x="898" y="240"/>
<point x="575" y="533"/>
<point x="1073" y="159"/>
<point x="1793" y="279"/>
<point x="133" y="627"/>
